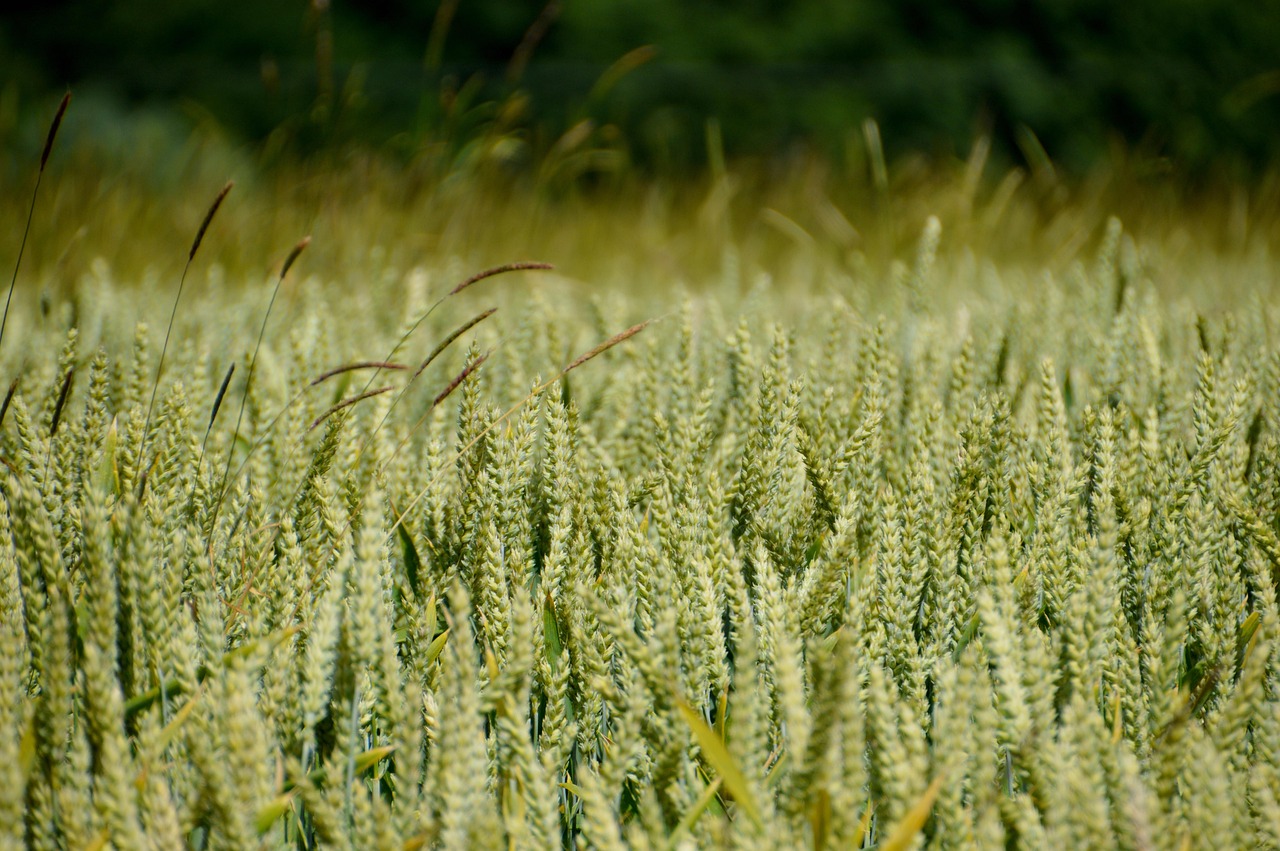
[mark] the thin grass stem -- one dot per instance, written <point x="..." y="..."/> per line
<point x="173" y="315"/>
<point x="31" y="209"/>
<point x="253" y="365"/>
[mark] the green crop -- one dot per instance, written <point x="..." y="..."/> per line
<point x="978" y="558"/>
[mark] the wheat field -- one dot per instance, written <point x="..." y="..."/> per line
<point x="964" y="554"/>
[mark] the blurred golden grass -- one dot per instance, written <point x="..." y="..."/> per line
<point x="804" y="219"/>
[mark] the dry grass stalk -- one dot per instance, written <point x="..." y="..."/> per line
<point x="378" y="366"/>
<point x="532" y="38"/>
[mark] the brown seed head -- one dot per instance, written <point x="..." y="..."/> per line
<point x="8" y="397"/>
<point x="605" y="346"/>
<point x="62" y="401"/>
<point x="447" y="341"/>
<point x="499" y="270"/>
<point x="208" y="217"/>
<point x="53" y="129"/>
<point x="351" y="367"/>
<point x="458" y="379"/>
<point x="293" y="255"/>
<point x="222" y="391"/>
<point x="347" y="403"/>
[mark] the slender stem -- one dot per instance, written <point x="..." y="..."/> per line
<point x="143" y="465"/>
<point x="253" y="365"/>
<point x="31" y="211"/>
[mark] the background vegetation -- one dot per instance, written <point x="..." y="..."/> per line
<point x="1191" y="82"/>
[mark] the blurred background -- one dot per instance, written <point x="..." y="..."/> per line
<point x="700" y="140"/>
<point x="1186" y="85"/>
